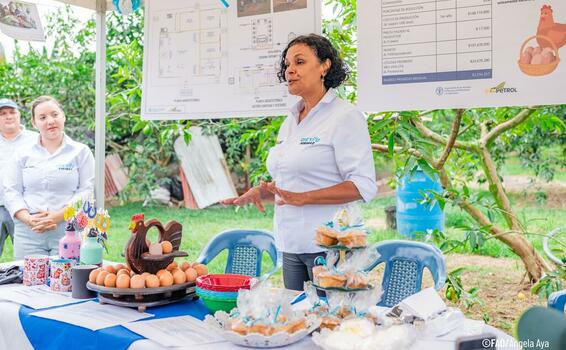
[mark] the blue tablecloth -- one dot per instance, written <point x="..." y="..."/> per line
<point x="50" y="334"/>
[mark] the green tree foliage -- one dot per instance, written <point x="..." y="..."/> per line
<point x="65" y="71"/>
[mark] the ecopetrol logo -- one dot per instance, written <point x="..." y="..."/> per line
<point x="309" y="140"/>
<point x="501" y="89"/>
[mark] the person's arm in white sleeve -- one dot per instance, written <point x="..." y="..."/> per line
<point x="85" y="164"/>
<point x="14" y="190"/>
<point x="354" y="156"/>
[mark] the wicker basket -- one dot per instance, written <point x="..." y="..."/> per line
<point x="537" y="70"/>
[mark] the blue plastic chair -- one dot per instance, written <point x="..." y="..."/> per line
<point x="245" y="248"/>
<point x="557" y="300"/>
<point x="404" y="265"/>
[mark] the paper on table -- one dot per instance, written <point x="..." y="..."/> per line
<point x="37" y="297"/>
<point x="174" y="331"/>
<point x="423" y="304"/>
<point x="92" y="315"/>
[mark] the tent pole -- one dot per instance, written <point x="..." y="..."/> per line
<point x="100" y="108"/>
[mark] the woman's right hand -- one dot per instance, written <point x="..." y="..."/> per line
<point x="42" y="222"/>
<point x="253" y="195"/>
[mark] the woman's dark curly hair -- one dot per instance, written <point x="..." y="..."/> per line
<point x="324" y="50"/>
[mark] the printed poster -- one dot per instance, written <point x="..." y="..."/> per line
<point x="205" y="60"/>
<point x="20" y="20"/>
<point x="421" y="54"/>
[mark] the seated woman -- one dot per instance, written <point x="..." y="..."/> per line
<point x="43" y="178"/>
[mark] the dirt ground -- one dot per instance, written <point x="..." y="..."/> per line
<point x="502" y="288"/>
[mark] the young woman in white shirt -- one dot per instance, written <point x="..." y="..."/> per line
<point x="322" y="159"/>
<point x="43" y="178"/>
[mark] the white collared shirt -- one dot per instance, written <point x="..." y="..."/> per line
<point x="7" y="149"/>
<point x="39" y="181"/>
<point x="330" y="146"/>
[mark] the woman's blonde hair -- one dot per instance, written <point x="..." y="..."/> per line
<point x="42" y="99"/>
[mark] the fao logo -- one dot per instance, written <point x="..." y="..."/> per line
<point x="439" y="91"/>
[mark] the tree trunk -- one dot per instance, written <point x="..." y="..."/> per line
<point x="535" y="265"/>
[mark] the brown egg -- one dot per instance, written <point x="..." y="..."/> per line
<point x="191" y="274"/>
<point x="175" y="270"/>
<point x="123" y="272"/>
<point x="110" y="268"/>
<point x="123" y="281"/>
<point x="166" y="279"/>
<point x="172" y="266"/>
<point x="93" y="274"/>
<point x="179" y="277"/>
<point x="101" y="276"/>
<point x="145" y="274"/>
<point x="152" y="281"/>
<point x="110" y="280"/>
<point x="201" y="269"/>
<point x="185" y="266"/>
<point x="137" y="281"/>
<point x="160" y="272"/>
<point x="132" y="273"/>
<point x="119" y="267"/>
<point x="167" y="247"/>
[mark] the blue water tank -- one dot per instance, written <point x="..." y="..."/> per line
<point x="412" y="216"/>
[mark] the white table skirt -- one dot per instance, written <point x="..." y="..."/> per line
<point x="308" y="344"/>
<point x="12" y="336"/>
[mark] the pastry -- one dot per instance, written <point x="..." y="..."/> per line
<point x="316" y="271"/>
<point x="343" y="312"/>
<point x="326" y="280"/>
<point x="239" y="327"/>
<point x="329" y="322"/>
<point x="357" y="281"/>
<point x="293" y="326"/>
<point x="325" y="236"/>
<point x="261" y="329"/>
<point x="353" y="239"/>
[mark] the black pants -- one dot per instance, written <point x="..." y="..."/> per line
<point x="297" y="269"/>
<point x="6" y="227"/>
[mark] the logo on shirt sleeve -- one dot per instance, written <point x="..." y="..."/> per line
<point x="310" y="140"/>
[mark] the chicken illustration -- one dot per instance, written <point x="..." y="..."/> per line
<point x="548" y="28"/>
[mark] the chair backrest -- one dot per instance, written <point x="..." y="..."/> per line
<point x="245" y="248"/>
<point x="557" y="300"/>
<point x="404" y="265"/>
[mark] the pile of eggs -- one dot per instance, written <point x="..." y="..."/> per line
<point x="537" y="55"/>
<point x="120" y="276"/>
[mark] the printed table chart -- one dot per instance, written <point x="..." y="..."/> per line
<point x="442" y="40"/>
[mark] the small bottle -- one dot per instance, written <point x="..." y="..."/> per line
<point x="70" y="244"/>
<point x="91" y="250"/>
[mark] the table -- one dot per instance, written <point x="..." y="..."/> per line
<point x="12" y="336"/>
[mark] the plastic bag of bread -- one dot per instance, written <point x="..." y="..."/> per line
<point x="347" y="219"/>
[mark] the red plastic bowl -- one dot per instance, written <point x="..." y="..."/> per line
<point x="228" y="282"/>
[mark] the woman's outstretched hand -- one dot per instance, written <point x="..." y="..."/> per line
<point x="252" y="196"/>
<point x="283" y="197"/>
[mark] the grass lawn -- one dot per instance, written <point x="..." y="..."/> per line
<point x="200" y="225"/>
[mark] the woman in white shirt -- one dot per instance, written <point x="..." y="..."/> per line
<point x="43" y="178"/>
<point x="322" y="159"/>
